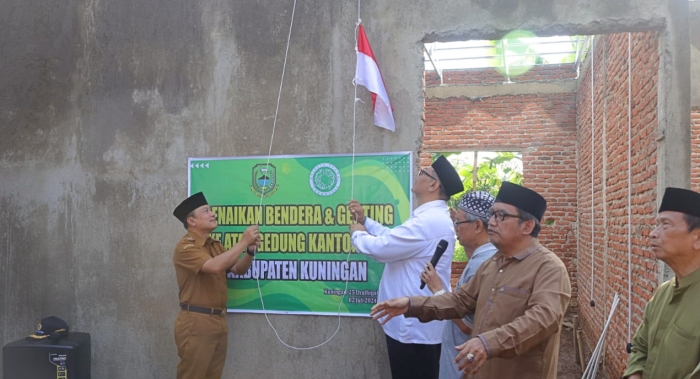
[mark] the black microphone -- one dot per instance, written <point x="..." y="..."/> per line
<point x="439" y="250"/>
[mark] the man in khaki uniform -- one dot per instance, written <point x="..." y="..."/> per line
<point x="667" y="343"/>
<point x="518" y="296"/>
<point x="200" y="266"/>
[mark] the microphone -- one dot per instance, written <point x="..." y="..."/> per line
<point x="439" y="250"/>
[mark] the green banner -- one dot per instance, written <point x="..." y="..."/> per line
<point x="300" y="202"/>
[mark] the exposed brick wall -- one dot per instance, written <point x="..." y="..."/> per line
<point x="542" y="127"/>
<point x="486" y="76"/>
<point x="610" y="193"/>
<point x="695" y="149"/>
<point x="457" y="269"/>
<point x="553" y="131"/>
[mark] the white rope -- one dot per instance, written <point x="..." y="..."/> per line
<point x="354" y="110"/>
<point x="592" y="367"/>
<point x="592" y="164"/>
<point x="629" y="190"/>
<point x="269" y="155"/>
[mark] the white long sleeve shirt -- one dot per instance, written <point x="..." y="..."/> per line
<point x="406" y="250"/>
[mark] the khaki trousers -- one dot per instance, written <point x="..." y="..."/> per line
<point x="202" y="341"/>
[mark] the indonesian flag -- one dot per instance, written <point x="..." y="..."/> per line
<point x="367" y="74"/>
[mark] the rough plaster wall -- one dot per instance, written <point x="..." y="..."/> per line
<point x="102" y="102"/>
<point x="695" y="53"/>
<point x="603" y="266"/>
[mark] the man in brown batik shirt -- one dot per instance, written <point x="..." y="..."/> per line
<point x="519" y="297"/>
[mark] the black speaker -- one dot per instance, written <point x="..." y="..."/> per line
<point x="67" y="358"/>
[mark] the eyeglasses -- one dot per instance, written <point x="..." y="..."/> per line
<point x="462" y="222"/>
<point x="501" y="215"/>
<point x="423" y="172"/>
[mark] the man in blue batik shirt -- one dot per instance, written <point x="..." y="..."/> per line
<point x="471" y="224"/>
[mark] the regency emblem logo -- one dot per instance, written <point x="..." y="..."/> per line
<point x="264" y="180"/>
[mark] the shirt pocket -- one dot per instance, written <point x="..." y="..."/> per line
<point x="686" y="326"/>
<point x="681" y="332"/>
<point x="510" y="303"/>
<point x="681" y="348"/>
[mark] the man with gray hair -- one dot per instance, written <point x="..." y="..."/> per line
<point x="471" y="224"/>
<point x="667" y="343"/>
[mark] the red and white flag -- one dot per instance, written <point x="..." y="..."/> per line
<point x="367" y="74"/>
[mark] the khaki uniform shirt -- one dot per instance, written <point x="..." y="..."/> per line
<point x="197" y="288"/>
<point x="518" y="304"/>
<point x="667" y="343"/>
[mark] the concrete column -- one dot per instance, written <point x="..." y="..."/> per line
<point x="695" y="53"/>
<point x="674" y="106"/>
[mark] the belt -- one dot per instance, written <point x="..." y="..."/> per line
<point x="206" y="311"/>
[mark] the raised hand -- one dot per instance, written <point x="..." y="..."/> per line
<point x="251" y="235"/>
<point x="386" y="310"/>
<point x="357" y="212"/>
<point x="430" y="277"/>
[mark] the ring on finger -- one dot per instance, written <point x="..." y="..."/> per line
<point x="470" y="357"/>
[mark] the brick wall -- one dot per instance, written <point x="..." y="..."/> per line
<point x="457" y="269"/>
<point x="603" y="234"/>
<point x="695" y="149"/>
<point x="553" y="131"/>
<point x="486" y="76"/>
<point x="542" y="127"/>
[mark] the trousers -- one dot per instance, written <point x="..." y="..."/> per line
<point x="202" y="342"/>
<point x="412" y="360"/>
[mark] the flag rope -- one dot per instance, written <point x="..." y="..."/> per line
<point x="592" y="167"/>
<point x="354" y="111"/>
<point x="352" y="184"/>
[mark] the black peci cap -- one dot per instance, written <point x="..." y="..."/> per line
<point x="188" y="205"/>
<point x="523" y="198"/>
<point x="448" y="176"/>
<point x="681" y="200"/>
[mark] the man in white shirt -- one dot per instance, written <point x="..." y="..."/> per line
<point x="414" y="347"/>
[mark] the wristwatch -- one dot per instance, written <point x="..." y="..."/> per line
<point x="439" y="292"/>
<point x="252" y="254"/>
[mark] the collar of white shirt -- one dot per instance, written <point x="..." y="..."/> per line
<point x="430" y="205"/>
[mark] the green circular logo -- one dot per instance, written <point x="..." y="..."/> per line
<point x="324" y="179"/>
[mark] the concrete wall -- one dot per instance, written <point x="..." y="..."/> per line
<point x="695" y="52"/>
<point x="102" y="102"/>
